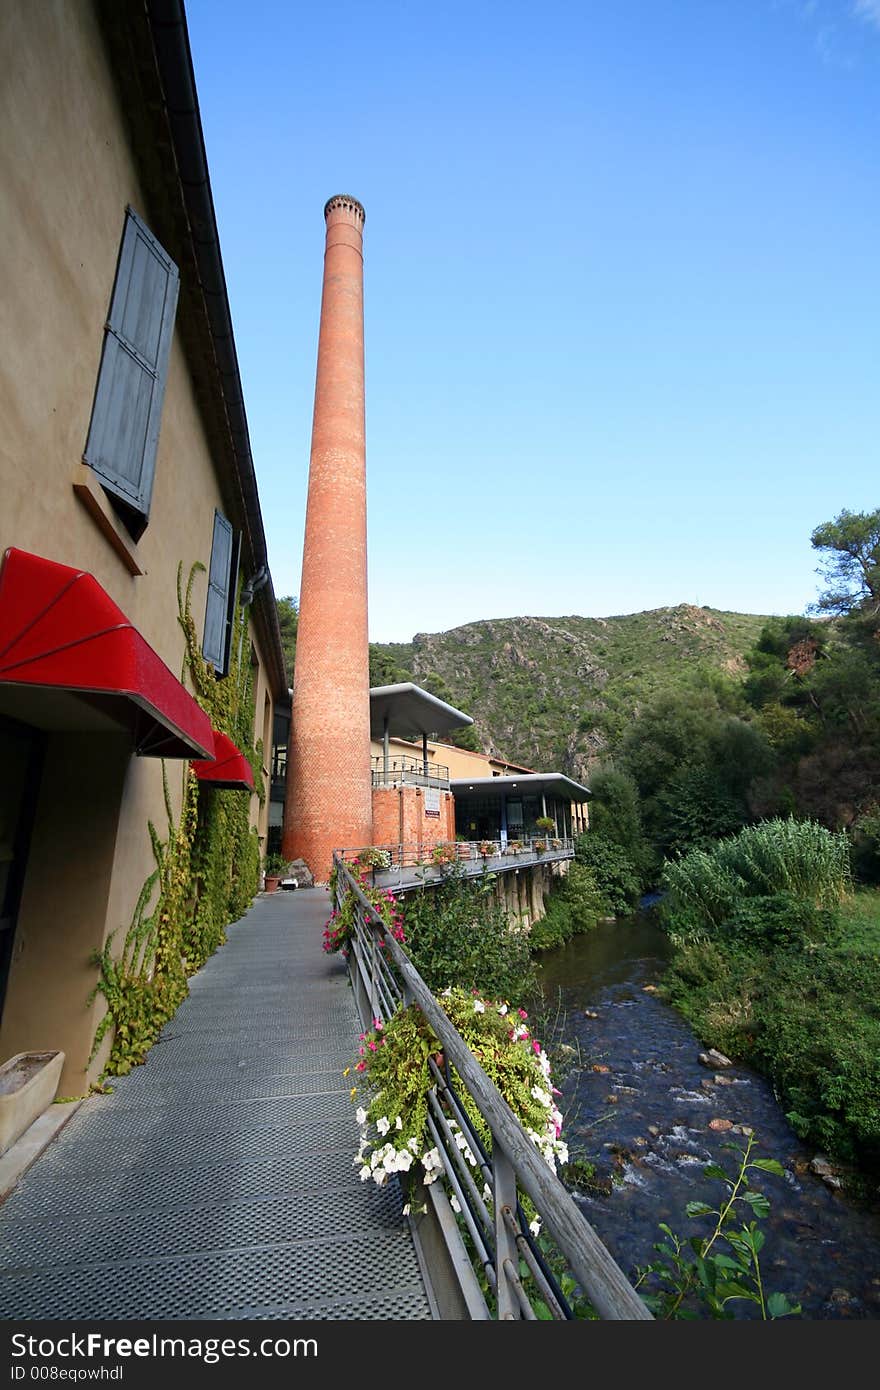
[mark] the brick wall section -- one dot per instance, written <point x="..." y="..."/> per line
<point x="328" y="786"/>
<point x="399" y="818"/>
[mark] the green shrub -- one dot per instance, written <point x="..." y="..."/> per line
<point x="865" y="838"/>
<point x="616" y="876"/>
<point x="574" y="905"/>
<point x="779" y="919"/>
<point x="457" y="933"/>
<point x="800" y="858"/>
<point x="817" y="1036"/>
<point x="807" y="1017"/>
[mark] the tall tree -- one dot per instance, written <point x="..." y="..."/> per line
<point x="850" y="546"/>
<point x="288" y="618"/>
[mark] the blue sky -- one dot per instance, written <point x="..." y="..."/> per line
<point x="622" y="289"/>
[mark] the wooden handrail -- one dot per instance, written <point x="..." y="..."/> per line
<point x="601" y="1278"/>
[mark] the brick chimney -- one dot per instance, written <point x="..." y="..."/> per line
<point x="328" y="803"/>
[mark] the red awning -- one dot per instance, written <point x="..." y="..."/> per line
<point x="61" y="632"/>
<point x="228" y="768"/>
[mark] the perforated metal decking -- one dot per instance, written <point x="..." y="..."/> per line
<point x="217" y="1180"/>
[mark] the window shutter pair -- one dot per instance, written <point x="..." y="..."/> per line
<point x="124" y="431"/>
<point x="222" y="584"/>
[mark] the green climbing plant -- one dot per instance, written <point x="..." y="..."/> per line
<point x="207" y="867"/>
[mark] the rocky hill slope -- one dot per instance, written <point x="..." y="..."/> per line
<point x="557" y="692"/>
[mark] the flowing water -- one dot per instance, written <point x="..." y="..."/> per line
<point x="639" y="1105"/>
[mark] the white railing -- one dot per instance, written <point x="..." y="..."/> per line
<point x="411" y="865"/>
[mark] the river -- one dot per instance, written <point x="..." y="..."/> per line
<point x="638" y="1104"/>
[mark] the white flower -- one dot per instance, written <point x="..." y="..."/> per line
<point x="479" y="1006"/>
<point x="404" y="1160"/>
<point x="398" y="1123"/>
<point x="413" y="1144"/>
<point x="502" y="1009"/>
<point x="406" y="1209"/>
<point x="542" y="1097"/>
<point x="432" y="1164"/>
<point x="383" y="1124"/>
<point x="365" y="1172"/>
<point x="455" y="1203"/>
<point x="361" y="1115"/>
<point x="380" y="1177"/>
<point x="535" y="1226"/>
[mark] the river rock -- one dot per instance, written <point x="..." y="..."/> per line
<point x="600" y="1066"/>
<point x="721" y="1124"/>
<point x="821" y="1167"/>
<point x="723" y="1080"/>
<point x="714" y="1058"/>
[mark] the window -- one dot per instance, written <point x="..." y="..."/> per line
<point x="222" y="584"/>
<point x="124" y="430"/>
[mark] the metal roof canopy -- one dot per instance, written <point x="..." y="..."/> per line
<point x="526" y="782"/>
<point x="411" y="710"/>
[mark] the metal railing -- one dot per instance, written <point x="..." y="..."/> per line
<point x="404" y="866"/>
<point x="409" y="770"/>
<point x="490" y="1237"/>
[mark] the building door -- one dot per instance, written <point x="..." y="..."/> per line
<point x="21" y="757"/>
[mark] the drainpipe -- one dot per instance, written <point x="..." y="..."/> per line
<point x="253" y="586"/>
<point x="386" y="749"/>
<point x="425" y="754"/>
<point x="503" y="819"/>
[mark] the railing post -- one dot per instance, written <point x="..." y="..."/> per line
<point x="374" y="1009"/>
<point x="506" y="1262"/>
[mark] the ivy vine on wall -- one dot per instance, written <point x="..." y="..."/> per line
<point x="207" y="866"/>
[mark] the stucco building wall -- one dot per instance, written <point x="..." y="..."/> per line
<point x="67" y="174"/>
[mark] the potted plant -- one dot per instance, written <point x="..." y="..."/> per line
<point x="487" y="848"/>
<point x="545" y="823"/>
<point x="274" y="870"/>
<point x="443" y="855"/>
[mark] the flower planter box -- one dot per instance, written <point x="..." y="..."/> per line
<point x="28" y="1085"/>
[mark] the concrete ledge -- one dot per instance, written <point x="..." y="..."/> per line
<point x="19" y="1157"/>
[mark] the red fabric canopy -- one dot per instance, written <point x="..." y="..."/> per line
<point x="60" y="630"/>
<point x="228" y="768"/>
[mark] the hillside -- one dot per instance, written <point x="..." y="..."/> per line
<point x="556" y="692"/>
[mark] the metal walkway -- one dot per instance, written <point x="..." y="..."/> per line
<point x="217" y="1180"/>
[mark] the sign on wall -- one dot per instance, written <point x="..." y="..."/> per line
<point x="432" y="801"/>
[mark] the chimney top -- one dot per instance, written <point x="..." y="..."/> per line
<point x="344" y="202"/>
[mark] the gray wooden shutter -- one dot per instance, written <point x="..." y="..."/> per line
<point x="124" y="431"/>
<point x="215" y="645"/>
